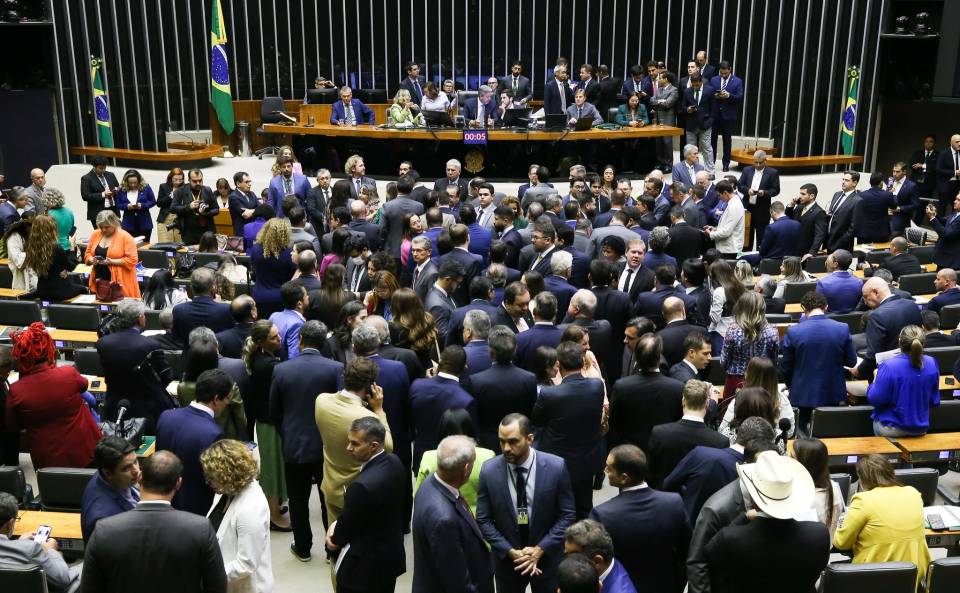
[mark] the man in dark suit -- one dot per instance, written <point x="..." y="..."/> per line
<point x="641" y="401"/>
<point x="587" y="542"/>
<point x="557" y="94"/>
<point x="480" y="236"/>
<point x="569" y="415"/>
<point x="697" y="104"/>
<point x="706" y="68"/>
<point x="948" y="175"/>
<point x="670" y="443"/>
<point x="318" y="200"/>
<point x="840" y="287"/>
<point x="697" y="351"/>
<point x="293" y="393"/>
<point x="694" y="279"/>
<point x="613" y="306"/>
<point x="923" y="167"/>
<point x="890" y="315"/>
<point x="907" y="194"/>
<point x="472" y="263"/>
<point x="543" y="332"/>
<point x="608" y="86"/>
<point x="9" y="214"/>
<point x="242" y="203"/>
<point x="504" y="231"/>
<point x="524" y="505"/>
<point x="97" y="189"/>
<point x="518" y="84"/>
<point x="686" y="240"/>
<point x="579" y="261"/>
<point x="557" y="282"/>
<point x="349" y="111"/>
<point x="948" y="293"/>
<point x="431" y="397"/>
<point x="195" y="207"/>
<point x="188" y="431"/>
<point x="812" y="218"/>
<point x="876" y="203"/>
<point x="481" y="292"/>
<point x="202" y="310"/>
<point x="474" y="330"/>
<point x="373" y="517"/>
<point x="425" y="270"/>
<point x="582" y="312"/>
<point x="142" y="545"/>
<point x="650" y="304"/>
<point x="481" y="111"/>
<point x="414" y="84"/>
<point x="439" y="301"/>
<point x="588" y="84"/>
<point x="449" y="551"/>
<point x="360" y="224"/>
<point x="649" y="528"/>
<point x="844" y="215"/>
<point x="901" y="261"/>
<point x="946" y="253"/>
<point x="453" y="169"/>
<point x="728" y="98"/>
<point x="514" y="312"/>
<point x="635" y="278"/>
<point x="781" y="239"/>
<point x="243" y="309"/>
<point x="675" y="331"/>
<point x="493" y="402"/>
<point x="405" y="356"/>
<point x="391" y="219"/>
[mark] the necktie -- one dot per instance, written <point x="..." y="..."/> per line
<point x="351" y="119"/>
<point x="287" y="186"/>
<point x="696" y="97"/>
<point x="956" y="160"/>
<point x="480" y="114"/>
<point x="103" y="181"/>
<point x="536" y="262"/>
<point x="357" y="183"/>
<point x="656" y="88"/>
<point x="416" y="276"/>
<point x="563" y="96"/>
<point x="626" y="283"/>
<point x="516" y="84"/>
<point x="416" y="85"/>
<point x="723" y="84"/>
<point x="522" y="526"/>
<point x="463" y="505"/>
<point x="480" y="216"/>
<point x="579" y="112"/>
<point x="836" y="203"/>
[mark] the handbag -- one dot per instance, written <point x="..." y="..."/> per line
<point x="133" y="429"/>
<point x="234" y="244"/>
<point x="108" y="291"/>
<point x="186" y="263"/>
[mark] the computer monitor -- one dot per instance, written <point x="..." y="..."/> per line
<point x="515" y="117"/>
<point x="437" y="119"/>
<point x="322" y="96"/>
<point x="555" y="121"/>
<point x="584" y="123"/>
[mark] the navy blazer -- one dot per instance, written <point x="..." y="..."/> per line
<point x="874" y="220"/>
<point x="950" y="296"/>
<point x="187" y="432"/>
<point x="670" y="442"/>
<point x="121" y="352"/>
<point x="137" y="219"/>
<point x="702" y="118"/>
<point x="276" y="192"/>
<point x="539" y="334"/>
<point x="238" y="202"/>
<point x="493" y="402"/>
<point x="727" y="109"/>
<point x="202" y="310"/>
<point x="514" y="244"/>
<point x="782" y="239"/>
<point x="472" y="267"/>
<point x="101" y="500"/>
<point x="293" y="394"/>
<point x="946" y="169"/>
<point x="650" y="535"/>
<point x="842" y="291"/>
<point x="701" y="473"/>
<point x="408" y="84"/>
<point x="478" y="358"/>
<point x="561" y="289"/>
<point x="361" y="113"/>
<point x="650" y="304"/>
<point x="908" y="200"/>
<point x="369" y="230"/>
<point x="814" y="354"/>
<point x="455" y="325"/>
<point x="449" y="552"/>
<point x="471" y="109"/>
<point x="480" y="240"/>
<point x="946" y="253"/>
<point x="429" y="399"/>
<point x="551" y="97"/>
<point x="551" y="512"/>
<point x="641" y="401"/>
<point x="883" y="329"/>
<point x="394" y="379"/>
<point x="231" y="340"/>
<point x="570" y="417"/>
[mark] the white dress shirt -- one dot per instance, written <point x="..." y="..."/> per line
<point x="441" y="103"/>
<point x="728" y="235"/>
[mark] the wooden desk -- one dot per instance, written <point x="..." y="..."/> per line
<point x="11" y="293"/>
<point x="942" y="539"/>
<point x="148" y="447"/>
<point x="846" y="451"/>
<point x="65" y="527"/>
<point x="456" y="135"/>
<point x="62" y="337"/>
<point x="96" y="384"/>
<point x="196" y="152"/>
<point x="942" y="446"/>
<point x="745" y="157"/>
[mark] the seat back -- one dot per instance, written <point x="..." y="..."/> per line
<point x="918" y="283"/>
<point x="202" y="259"/>
<point x="816" y="264"/>
<point x="877" y="256"/>
<point x="771" y="267"/>
<point x="79" y="317"/>
<point x="843" y="481"/>
<point x="943" y="575"/>
<point x="61" y="488"/>
<point x="923" y="254"/>
<point x="19" y="313"/>
<point x="13" y="482"/>
<point x="154" y="258"/>
<point x="794" y="291"/>
<point x="853" y="319"/>
<point x="715" y="373"/>
<point x="945" y="417"/>
<point x="924" y="479"/>
<point x="612" y="114"/>
<point x="23" y="580"/>
<point x="173" y="361"/>
<point x="153" y="319"/>
<point x="841" y="421"/>
<point x="945" y="356"/>
<point x="463" y="96"/>
<point x="267" y="109"/>
<point x="87" y="361"/>
<point x="6" y="277"/>
<point x="950" y="316"/>
<point x="871" y="577"/>
<point x="778" y="318"/>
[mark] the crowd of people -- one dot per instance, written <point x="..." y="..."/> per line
<point x="506" y="351"/>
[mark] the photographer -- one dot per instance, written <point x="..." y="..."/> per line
<point x="195" y="207"/>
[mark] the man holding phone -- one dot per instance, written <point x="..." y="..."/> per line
<point x="31" y="550"/>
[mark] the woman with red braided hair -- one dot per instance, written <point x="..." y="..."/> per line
<point x="46" y="402"/>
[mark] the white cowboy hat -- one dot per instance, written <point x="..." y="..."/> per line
<point x="779" y="486"/>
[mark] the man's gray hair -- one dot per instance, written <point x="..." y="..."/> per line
<point x="166" y="318"/>
<point x="485" y="89"/>
<point x="421" y="242"/>
<point x="497" y="273"/>
<point x="768" y="285"/>
<point x="578" y="170"/>
<point x="8" y="507"/>
<point x="558" y="68"/>
<point x="552" y="201"/>
<point x="201" y="335"/>
<point x="313" y="333"/>
<point x="688" y="150"/>
<point x="759" y="155"/>
<point x="883" y="274"/>
<point x="366" y="339"/>
<point x="322" y="171"/>
<point x="585" y="301"/>
<point x="560" y="262"/>
<point x="455" y="163"/>
<point x="754" y="428"/>
<point x="380" y="324"/>
<point x="345" y="89"/>
<point x="454" y="452"/>
<point x="659" y="238"/>
<point x="129" y="312"/>
<point x="478" y="322"/>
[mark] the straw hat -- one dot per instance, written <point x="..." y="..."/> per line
<point x="779" y="486"/>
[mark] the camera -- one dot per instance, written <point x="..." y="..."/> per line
<point x="172" y="226"/>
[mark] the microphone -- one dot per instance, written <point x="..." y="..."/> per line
<point x="193" y="143"/>
<point x="123" y="406"/>
<point x="784" y="426"/>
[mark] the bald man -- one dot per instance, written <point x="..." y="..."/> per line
<point x="34" y="193"/>
<point x="890" y="315"/>
<point x="948" y="293"/>
<point x="360" y="224"/>
<point x="948" y="173"/>
<point x="900" y="261"/>
<point x="676" y="330"/>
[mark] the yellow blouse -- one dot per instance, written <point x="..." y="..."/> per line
<point x="428" y="465"/>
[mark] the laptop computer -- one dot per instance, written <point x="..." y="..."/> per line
<point x="515" y="117"/>
<point x="437" y="119"/>
<point x="555" y="121"/>
<point x="584" y="123"/>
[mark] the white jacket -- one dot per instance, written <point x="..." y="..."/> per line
<point x="244" y="537"/>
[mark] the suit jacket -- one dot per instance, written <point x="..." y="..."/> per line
<point x="673" y="335"/>
<point x="874" y="220"/>
<point x="478" y="358"/>
<point x="842" y="226"/>
<point x="493" y="402"/>
<point x="408" y="84"/>
<point x="946" y="170"/>
<point x="369" y="230"/>
<point x="681" y="172"/>
<point x="404" y="356"/>
<point x="665" y="104"/>
<point x="883" y="329"/>
<point x="422" y="284"/>
<point x="703" y="471"/>
<point x="244" y="537"/>
<point x="449" y="551"/>
<point x="640" y="402"/>
<point x="192" y="224"/>
<point x="686" y="242"/>
<point x="276" y="191"/>
<point x="480" y="240"/>
<point x="551" y="512"/>
<point x="720" y="510"/>
<point x="8" y="216"/>
<point x="121" y="352"/>
<point x="552" y="98"/>
<point x="682" y="372"/>
<point x="908" y="200"/>
<point x="203" y="311"/>
<point x="670" y="443"/>
<point x="813" y="228"/>
<point x="372" y="522"/>
<point x="727" y="109"/>
<point x="563" y="290"/>
<point x="293" y="393"/>
<point x="902" y="263"/>
<point x="393" y="377"/>
<point x="239" y="202"/>
<point x="569" y="415"/>
<point x="650" y="304"/>
<point x="137" y="220"/>
<point x="842" y="291"/>
<point x="504" y="318"/>
<point x="743" y="557"/>
<point x="781" y="239"/>
<point x="441" y="307"/>
<point x="472" y="267"/>
<point x="650" y="534"/>
<point x="231" y="340"/>
<point x="187" y="432"/>
<point x="101" y="500"/>
<point x="644" y="282"/>
<point x="361" y="113"/>
<point x="91" y="192"/>
<point x="602" y="343"/>
<point x="391" y="222"/>
<point x="703" y="297"/>
<point x="951" y="296"/>
<point x="615" y="307"/>
<point x="441" y="184"/>
<point x="141" y="546"/>
<point x="587" y="110"/>
<point x="429" y="399"/>
<point x="25" y="553"/>
<point x="946" y="253"/>
<point x="769" y="183"/>
<point x="471" y="109"/>
<point x="539" y="334"/>
<point x="455" y="325"/>
<point x="617" y="581"/>
<point x="514" y="244"/>
<point x="702" y="118"/>
<point x="523" y="92"/>
<point x="606" y="98"/>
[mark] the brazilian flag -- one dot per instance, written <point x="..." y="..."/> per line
<point x="101" y="104"/>
<point x="220" y="96"/>
<point x="848" y="120"/>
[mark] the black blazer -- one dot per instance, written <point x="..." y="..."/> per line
<point x="673" y="335"/>
<point x="644" y="281"/>
<point x="121" y="352"/>
<point x="238" y="202"/>
<point x="141" y="545"/>
<point x="846" y="220"/>
<point x="231" y="340"/>
<point x="614" y="306"/>
<point x="702" y="118"/>
<point x="472" y="267"/>
<point x="813" y="227"/>
<point x="493" y="402"/>
<point x="686" y="242"/>
<point x="670" y="442"/>
<point x="570" y="416"/>
<point x="551" y="97"/>
<point x="372" y="522"/>
<point x="91" y="192"/>
<point x="203" y="311"/>
<point x="902" y="263"/>
<point x="192" y="223"/>
<point x="403" y="355"/>
<point x="440" y="185"/>
<point x="946" y="169"/>
<point x="640" y="402"/>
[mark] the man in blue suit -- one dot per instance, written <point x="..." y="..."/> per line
<point x="471" y="262"/>
<point x="524" y="506"/>
<point x="908" y="199"/>
<point x="431" y="397"/>
<point x="890" y="315"/>
<point x="590" y="538"/>
<point x="480" y="237"/>
<point x="650" y="304"/>
<point x="557" y="283"/>
<point x="946" y="284"/>
<point x="697" y="104"/>
<point x="475" y="329"/>
<point x="202" y="310"/>
<point x="449" y="551"/>
<point x="557" y="94"/>
<point x="188" y="431"/>
<point x="287" y="183"/>
<point x="293" y="393"/>
<point x="649" y="528"/>
<point x="503" y="227"/>
<point x="728" y="98"/>
<point x="875" y="205"/>
<point x="414" y="84"/>
<point x="570" y="416"/>
<point x="815" y="353"/>
<point x="481" y="293"/>
<point x="781" y="239"/>
<point x="686" y="170"/>
<point x="758" y="183"/>
<point x="113" y="489"/>
<point x="840" y="287"/>
<point x="946" y="253"/>
<point x="543" y="332"/>
<point x="349" y="111"/>
<point x="481" y="111"/>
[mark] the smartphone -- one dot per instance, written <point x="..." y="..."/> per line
<point x="43" y="533"/>
<point x="949" y="380"/>
<point x="936" y="523"/>
<point x="95" y="384"/>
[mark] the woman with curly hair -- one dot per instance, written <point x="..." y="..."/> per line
<point x="413" y="327"/>
<point x="271" y="258"/>
<point x="411" y="228"/>
<point x="241" y="516"/>
<point x="259" y="358"/>
<point x="46" y="257"/>
<point x="46" y="402"/>
<point x="750" y="336"/>
<point x="135" y="200"/>
<point x="382" y="288"/>
<point x="54" y="200"/>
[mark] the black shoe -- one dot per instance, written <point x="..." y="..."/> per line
<point x="726" y="168"/>
<point x="296" y="554"/>
<point x="275" y="527"/>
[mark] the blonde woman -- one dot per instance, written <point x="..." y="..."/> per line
<point x="750" y="336"/>
<point x="286" y="151"/>
<point x="49" y="260"/>
<point x="371" y="197"/>
<point x="54" y="200"/>
<point x="113" y="254"/>
<point x="790" y="272"/>
<point x="399" y="114"/>
<point x="271" y="259"/>
<point x="240" y="515"/>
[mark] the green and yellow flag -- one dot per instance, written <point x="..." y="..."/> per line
<point x="101" y="104"/>
<point x="220" y="96"/>
<point x="848" y="120"/>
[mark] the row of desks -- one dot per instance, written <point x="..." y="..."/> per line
<point x="942" y="446"/>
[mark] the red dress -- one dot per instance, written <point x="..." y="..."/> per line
<point x="46" y="403"/>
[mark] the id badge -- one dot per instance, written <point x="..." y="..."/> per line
<point x="522" y="517"/>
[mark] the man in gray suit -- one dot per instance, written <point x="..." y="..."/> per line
<point x="664" y="103"/>
<point x="391" y="228"/>
<point x="25" y="553"/>
<point x="154" y="547"/>
<point x="425" y="271"/>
